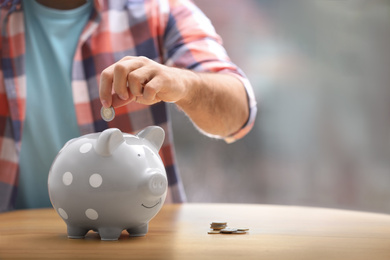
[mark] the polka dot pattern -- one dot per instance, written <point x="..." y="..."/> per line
<point x="92" y="214"/>
<point x="85" y="148"/>
<point x="67" y="178"/>
<point x="95" y="180"/>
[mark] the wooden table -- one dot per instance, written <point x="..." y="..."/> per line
<point x="179" y="231"/>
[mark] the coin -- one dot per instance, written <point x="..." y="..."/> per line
<point x="238" y="232"/>
<point x="220" y="227"/>
<point x="242" y="229"/>
<point x="107" y="113"/>
<point x="228" y="230"/>
<point x="218" y="223"/>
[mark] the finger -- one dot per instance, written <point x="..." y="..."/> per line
<point x="143" y="101"/>
<point x="121" y="70"/>
<point x="117" y="102"/>
<point x="150" y="92"/>
<point x="138" y="78"/>
<point x="105" y="87"/>
<point x="151" y="89"/>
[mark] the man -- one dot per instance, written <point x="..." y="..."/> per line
<point x="62" y="60"/>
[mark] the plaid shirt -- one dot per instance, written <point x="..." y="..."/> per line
<point x="172" y="32"/>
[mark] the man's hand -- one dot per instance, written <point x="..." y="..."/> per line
<point x="215" y="102"/>
<point x="142" y="80"/>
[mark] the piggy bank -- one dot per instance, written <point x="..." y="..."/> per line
<point x="108" y="182"/>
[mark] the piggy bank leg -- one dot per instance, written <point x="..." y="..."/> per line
<point x="76" y="232"/>
<point x="138" y="231"/>
<point x="110" y="233"/>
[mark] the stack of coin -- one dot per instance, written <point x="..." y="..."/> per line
<point x="222" y="228"/>
<point x="218" y="225"/>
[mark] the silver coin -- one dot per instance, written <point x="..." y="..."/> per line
<point x="242" y="229"/>
<point x="238" y="232"/>
<point x="107" y="113"/>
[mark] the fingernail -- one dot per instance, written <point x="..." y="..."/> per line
<point x="123" y="97"/>
<point x="105" y="103"/>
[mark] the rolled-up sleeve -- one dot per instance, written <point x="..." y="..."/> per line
<point x="191" y="42"/>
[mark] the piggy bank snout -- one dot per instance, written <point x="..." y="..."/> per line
<point x="156" y="183"/>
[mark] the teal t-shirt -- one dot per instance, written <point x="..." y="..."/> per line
<point x="51" y="40"/>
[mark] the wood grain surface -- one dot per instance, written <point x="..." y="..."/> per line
<point x="179" y="231"/>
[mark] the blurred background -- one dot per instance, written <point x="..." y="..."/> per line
<point x="321" y="73"/>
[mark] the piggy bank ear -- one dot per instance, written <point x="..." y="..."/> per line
<point x="154" y="134"/>
<point x="108" y="141"/>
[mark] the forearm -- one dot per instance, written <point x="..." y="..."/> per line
<point x="216" y="103"/>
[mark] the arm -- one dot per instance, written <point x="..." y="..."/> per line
<point x="215" y="102"/>
<point x="198" y="76"/>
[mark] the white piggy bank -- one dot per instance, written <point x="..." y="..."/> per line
<point x="108" y="182"/>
